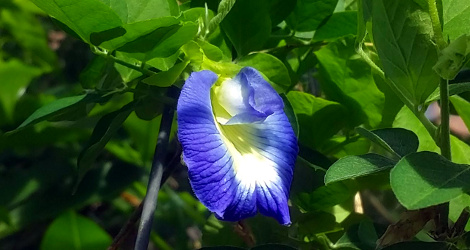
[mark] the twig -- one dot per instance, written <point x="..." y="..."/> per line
<point x="150" y="201"/>
<point x="127" y="229"/>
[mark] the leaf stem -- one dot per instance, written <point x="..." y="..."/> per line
<point x="106" y="54"/>
<point x="436" y="25"/>
<point x="156" y="173"/>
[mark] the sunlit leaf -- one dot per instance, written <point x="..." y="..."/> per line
<point x="402" y="35"/>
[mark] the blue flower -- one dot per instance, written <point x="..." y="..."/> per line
<point x="238" y="144"/>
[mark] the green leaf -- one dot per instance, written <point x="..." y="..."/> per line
<point x="164" y="64"/>
<point x="433" y="179"/>
<point x="397" y="141"/>
<point x="406" y="119"/>
<point x="166" y="78"/>
<point x="162" y="42"/>
<point x="83" y="17"/>
<point x="135" y="11"/>
<point x="456" y="207"/>
<point x="127" y="74"/>
<point x="224" y="8"/>
<point x="402" y="35"/>
<point x="360" y="236"/>
<point x="312" y="224"/>
<point x="356" y="166"/>
<point x="318" y="119"/>
<point x="454" y="89"/>
<point x="116" y="37"/>
<point x="309" y="14"/>
<point x="55" y="109"/>
<point x="347" y="79"/>
<point x="280" y="9"/>
<point x="456" y="15"/>
<point x="462" y="107"/>
<point x="323" y="197"/>
<point x="149" y="101"/>
<point x="339" y="25"/>
<point x="269" y="66"/>
<point x="106" y="127"/>
<point x="15" y="77"/>
<point x="248" y="25"/>
<point x="75" y="232"/>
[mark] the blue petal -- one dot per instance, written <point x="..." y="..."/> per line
<point x="243" y="166"/>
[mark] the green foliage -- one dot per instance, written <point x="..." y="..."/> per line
<point x="72" y="231"/>
<point x="433" y="178"/>
<point x="405" y="48"/>
<point x="82" y="95"/>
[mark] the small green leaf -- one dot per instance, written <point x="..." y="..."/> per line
<point x="356" y="166"/>
<point x="462" y="107"/>
<point x="454" y="89"/>
<point x="433" y="179"/>
<point x="340" y="24"/>
<point x="166" y="78"/>
<point x="311" y="224"/>
<point x="397" y="141"/>
<point x="323" y="197"/>
<point x="453" y="58"/>
<point x="269" y="66"/>
<point x="224" y="8"/>
<point x="360" y="236"/>
<point x="106" y="127"/>
<point x="309" y="14"/>
<point x="75" y="232"/>
<point x="54" y="109"/>
<point x="248" y="25"/>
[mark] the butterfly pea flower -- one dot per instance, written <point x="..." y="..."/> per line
<point x="238" y="144"/>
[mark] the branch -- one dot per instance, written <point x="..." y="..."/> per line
<point x="150" y="201"/>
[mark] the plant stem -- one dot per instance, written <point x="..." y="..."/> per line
<point x="150" y="201"/>
<point x="444" y="132"/>
<point x="445" y="113"/>
<point x="436" y="25"/>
